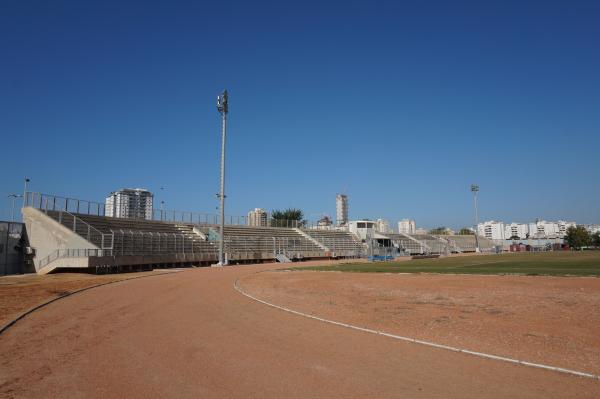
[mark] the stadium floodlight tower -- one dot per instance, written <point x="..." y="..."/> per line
<point x="223" y="108"/>
<point x="474" y="190"/>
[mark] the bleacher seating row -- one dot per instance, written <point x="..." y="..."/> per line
<point x="467" y="243"/>
<point x="137" y="237"/>
<point x="336" y="241"/>
<point x="262" y="239"/>
<point x="427" y="243"/>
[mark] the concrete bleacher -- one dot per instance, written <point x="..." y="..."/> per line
<point x="264" y="242"/>
<point x="467" y="243"/>
<point x="439" y="244"/>
<point x="339" y="243"/>
<point x="139" y="237"/>
<point x="86" y="241"/>
<point x="418" y="243"/>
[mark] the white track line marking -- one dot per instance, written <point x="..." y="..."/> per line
<point x="421" y="342"/>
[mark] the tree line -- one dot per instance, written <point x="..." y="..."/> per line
<point x="579" y="237"/>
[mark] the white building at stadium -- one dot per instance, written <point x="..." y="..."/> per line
<point x="341" y="209"/>
<point x="407" y="226"/>
<point x="540" y="229"/>
<point x="382" y="226"/>
<point x="257" y="217"/>
<point x="133" y="203"/>
<point x="593" y="228"/>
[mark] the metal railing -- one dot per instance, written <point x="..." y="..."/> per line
<point x="48" y="202"/>
<point x="85" y="230"/>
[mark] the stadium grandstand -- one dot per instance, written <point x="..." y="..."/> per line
<point x="71" y="234"/>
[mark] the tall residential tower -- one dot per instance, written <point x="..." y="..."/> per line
<point x="258" y="218"/>
<point x="133" y="203"/>
<point x="341" y="209"/>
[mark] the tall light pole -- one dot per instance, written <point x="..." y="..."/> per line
<point x="223" y="108"/>
<point x="25" y="190"/>
<point x="12" y="212"/>
<point x="162" y="202"/>
<point x="474" y="190"/>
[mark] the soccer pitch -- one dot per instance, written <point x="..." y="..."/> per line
<point x="565" y="263"/>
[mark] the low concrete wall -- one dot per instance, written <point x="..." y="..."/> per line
<point x="132" y="260"/>
<point x="46" y="235"/>
<point x="65" y="263"/>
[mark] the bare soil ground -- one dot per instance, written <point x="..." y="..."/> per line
<point x="550" y="320"/>
<point x="21" y="293"/>
<point x="191" y="335"/>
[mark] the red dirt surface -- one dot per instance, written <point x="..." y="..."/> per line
<point x="191" y="335"/>
<point x="549" y="320"/>
<point x="22" y="292"/>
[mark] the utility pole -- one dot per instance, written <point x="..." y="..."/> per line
<point x="223" y="108"/>
<point x="474" y="190"/>
<point x="25" y="191"/>
<point x="12" y="213"/>
<point x="162" y="203"/>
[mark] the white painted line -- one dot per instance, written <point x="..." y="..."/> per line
<point x="421" y="342"/>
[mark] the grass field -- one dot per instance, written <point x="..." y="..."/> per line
<point x="540" y="263"/>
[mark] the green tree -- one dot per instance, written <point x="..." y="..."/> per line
<point x="596" y="239"/>
<point x="465" y="231"/>
<point x="439" y="230"/>
<point x="290" y="217"/>
<point x="577" y="237"/>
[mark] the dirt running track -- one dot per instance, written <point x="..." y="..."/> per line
<point x="191" y="335"/>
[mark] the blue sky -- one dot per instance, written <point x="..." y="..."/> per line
<point x="401" y="106"/>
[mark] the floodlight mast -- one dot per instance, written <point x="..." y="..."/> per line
<point x="223" y="108"/>
<point x="474" y="190"/>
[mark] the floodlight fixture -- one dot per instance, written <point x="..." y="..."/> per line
<point x="223" y="103"/>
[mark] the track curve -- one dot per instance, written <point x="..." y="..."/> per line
<point x="190" y="334"/>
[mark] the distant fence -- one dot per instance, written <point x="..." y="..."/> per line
<point x="50" y="202"/>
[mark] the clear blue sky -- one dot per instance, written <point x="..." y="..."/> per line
<point x="401" y="106"/>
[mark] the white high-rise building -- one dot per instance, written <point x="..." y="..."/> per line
<point x="133" y="203"/>
<point x="341" y="209"/>
<point x="592" y="228"/>
<point x="491" y="229"/>
<point x="407" y="226"/>
<point x="257" y="217"/>
<point x="382" y="226"/>
<point x="564" y="226"/>
<point x="520" y="230"/>
<point x="538" y="229"/>
<point x="545" y="229"/>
